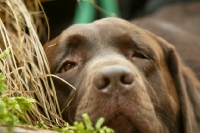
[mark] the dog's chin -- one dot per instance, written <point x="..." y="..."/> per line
<point x="121" y="124"/>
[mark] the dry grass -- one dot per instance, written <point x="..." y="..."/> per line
<point x="20" y="34"/>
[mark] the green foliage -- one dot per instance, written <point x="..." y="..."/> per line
<point x="4" y="53"/>
<point x="41" y="125"/>
<point x="3" y="87"/>
<point x="12" y="109"/>
<point x="85" y="127"/>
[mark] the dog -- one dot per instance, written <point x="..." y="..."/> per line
<point x="131" y="77"/>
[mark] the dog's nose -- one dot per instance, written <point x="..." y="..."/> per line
<point x="114" y="78"/>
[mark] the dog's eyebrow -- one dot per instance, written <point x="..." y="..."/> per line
<point x="72" y="41"/>
<point x="136" y="43"/>
<point x="76" y="39"/>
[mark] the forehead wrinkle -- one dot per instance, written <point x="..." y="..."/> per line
<point x="81" y="31"/>
<point x="79" y="34"/>
<point x="89" y="31"/>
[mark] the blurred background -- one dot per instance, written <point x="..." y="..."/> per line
<point x="62" y="13"/>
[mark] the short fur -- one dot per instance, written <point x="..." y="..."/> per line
<point x="129" y="76"/>
<point x="179" y="25"/>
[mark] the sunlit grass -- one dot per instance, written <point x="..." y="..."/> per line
<point x="26" y="67"/>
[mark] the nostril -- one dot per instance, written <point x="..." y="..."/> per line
<point x="127" y="78"/>
<point x="102" y="83"/>
<point x="112" y="78"/>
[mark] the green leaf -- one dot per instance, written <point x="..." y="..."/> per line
<point x="3" y="109"/>
<point x="102" y="131"/>
<point x="108" y="130"/>
<point x="87" y="122"/>
<point x="4" y="53"/>
<point x="3" y="87"/>
<point x="99" y="123"/>
<point x="24" y="103"/>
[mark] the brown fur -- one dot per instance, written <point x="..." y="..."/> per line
<point x="179" y="25"/>
<point x="132" y="78"/>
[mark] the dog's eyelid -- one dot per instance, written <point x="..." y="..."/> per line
<point x="140" y="55"/>
<point x="67" y="65"/>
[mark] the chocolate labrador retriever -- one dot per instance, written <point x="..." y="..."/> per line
<point x="129" y="76"/>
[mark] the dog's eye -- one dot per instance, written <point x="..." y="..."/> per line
<point x="68" y="66"/>
<point x="138" y="55"/>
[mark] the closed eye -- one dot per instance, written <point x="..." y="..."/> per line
<point x="138" y="55"/>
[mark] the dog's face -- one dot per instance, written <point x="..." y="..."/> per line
<point x="120" y="72"/>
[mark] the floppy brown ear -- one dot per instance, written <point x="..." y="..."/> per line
<point x="187" y="85"/>
<point x="50" y="51"/>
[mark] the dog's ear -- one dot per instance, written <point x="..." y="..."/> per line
<point x="187" y="85"/>
<point x="49" y="47"/>
<point x="50" y="51"/>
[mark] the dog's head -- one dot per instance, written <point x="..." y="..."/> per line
<point x="127" y="75"/>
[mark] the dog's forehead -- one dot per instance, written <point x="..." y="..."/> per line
<point x="107" y="31"/>
<point x="104" y="27"/>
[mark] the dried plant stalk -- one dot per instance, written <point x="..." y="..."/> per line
<point x="26" y="67"/>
